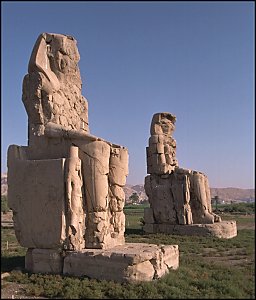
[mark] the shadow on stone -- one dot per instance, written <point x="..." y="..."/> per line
<point x="138" y="231"/>
<point x="10" y="263"/>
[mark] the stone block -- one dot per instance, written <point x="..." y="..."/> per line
<point x="171" y="256"/>
<point x="154" y="139"/>
<point x="44" y="261"/>
<point x="148" y="215"/>
<point x="140" y="272"/>
<point x="132" y="262"/>
<point x="160" y="148"/>
<point x="223" y="229"/>
<point x="38" y="203"/>
<point x="167" y="228"/>
<point x="149" y="228"/>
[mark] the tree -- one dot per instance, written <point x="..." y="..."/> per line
<point x="134" y="198"/>
<point x="216" y="199"/>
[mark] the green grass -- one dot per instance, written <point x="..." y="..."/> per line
<point x="134" y="217"/>
<point x="210" y="268"/>
<point x="12" y="254"/>
<point x="241" y="208"/>
<point x="196" y="280"/>
<point x="138" y="207"/>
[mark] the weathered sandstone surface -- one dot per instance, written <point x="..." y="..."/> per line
<point x="66" y="187"/>
<point x="179" y="198"/>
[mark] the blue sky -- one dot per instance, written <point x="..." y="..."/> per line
<point x="193" y="59"/>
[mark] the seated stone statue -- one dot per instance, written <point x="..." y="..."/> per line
<point x="176" y="195"/>
<point x="91" y="171"/>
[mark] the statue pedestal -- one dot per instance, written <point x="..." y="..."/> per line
<point x="132" y="262"/>
<point x="223" y="229"/>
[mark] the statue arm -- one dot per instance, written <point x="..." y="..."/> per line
<point x="53" y="130"/>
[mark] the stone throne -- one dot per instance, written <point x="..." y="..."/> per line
<point x="180" y="200"/>
<point x="66" y="187"/>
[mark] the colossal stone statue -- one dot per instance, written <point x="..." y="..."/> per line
<point x="66" y="187"/>
<point x="96" y="169"/>
<point x="177" y="196"/>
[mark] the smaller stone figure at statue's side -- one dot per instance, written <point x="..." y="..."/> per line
<point x="201" y="199"/>
<point x="118" y="166"/>
<point x="188" y="219"/>
<point x="176" y="195"/>
<point x="75" y="203"/>
<point x="181" y="194"/>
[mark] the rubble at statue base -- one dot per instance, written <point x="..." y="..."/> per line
<point x="180" y="200"/>
<point x="66" y="187"/>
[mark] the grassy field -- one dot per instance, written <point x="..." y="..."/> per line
<point x="210" y="268"/>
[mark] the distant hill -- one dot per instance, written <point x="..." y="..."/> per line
<point x="138" y="189"/>
<point x="226" y="194"/>
<point x="233" y="194"/>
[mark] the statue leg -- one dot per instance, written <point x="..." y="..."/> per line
<point x="95" y="157"/>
